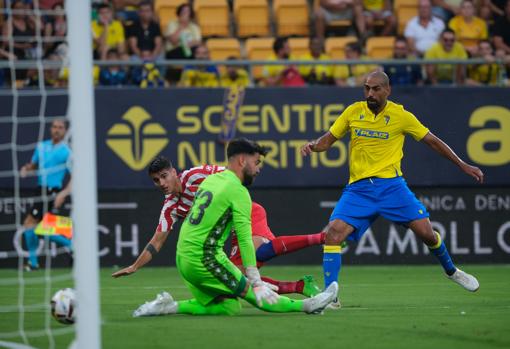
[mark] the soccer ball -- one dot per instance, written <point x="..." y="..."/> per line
<point x="63" y="305"/>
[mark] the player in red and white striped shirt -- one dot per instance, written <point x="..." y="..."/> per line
<point x="179" y="197"/>
<point x="180" y="189"/>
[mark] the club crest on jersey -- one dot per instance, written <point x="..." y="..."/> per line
<point x="386" y="119"/>
<point x="360" y="132"/>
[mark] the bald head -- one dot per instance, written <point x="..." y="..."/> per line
<point x="379" y="77"/>
<point x="377" y="90"/>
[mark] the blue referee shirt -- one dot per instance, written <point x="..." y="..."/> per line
<point x="52" y="161"/>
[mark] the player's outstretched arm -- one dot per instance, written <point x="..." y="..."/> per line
<point x="322" y="143"/>
<point x="153" y="247"/>
<point x="442" y="148"/>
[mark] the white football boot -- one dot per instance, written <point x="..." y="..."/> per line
<point x="468" y="281"/>
<point x="162" y="305"/>
<point x="335" y="305"/>
<point x="318" y="303"/>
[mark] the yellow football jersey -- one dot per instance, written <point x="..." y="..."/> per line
<point x="115" y="33"/>
<point x="377" y="141"/>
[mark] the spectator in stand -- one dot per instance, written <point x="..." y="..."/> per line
<point x="144" y="34"/>
<point x="379" y="10"/>
<point x="469" y="29"/>
<point x="281" y="75"/>
<point x="501" y="31"/>
<point x="403" y="75"/>
<point x="424" y="30"/>
<point x="125" y="10"/>
<point x="203" y="75"/>
<point x="147" y="75"/>
<point x="7" y="55"/>
<point x="234" y="75"/>
<point x="356" y="74"/>
<point x="49" y="4"/>
<point x="55" y="27"/>
<point x="446" y="48"/>
<point x="113" y="75"/>
<point x="496" y="9"/>
<point x="487" y="73"/>
<point x="334" y="10"/>
<point x="182" y="34"/>
<point x="22" y="31"/>
<point x="317" y="74"/>
<point x="108" y="33"/>
<point x="50" y="75"/>
<point x="445" y="9"/>
<point x="4" y="73"/>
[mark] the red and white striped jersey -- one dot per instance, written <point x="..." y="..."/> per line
<point x="177" y="206"/>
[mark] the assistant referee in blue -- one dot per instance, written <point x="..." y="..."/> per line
<point x="51" y="161"/>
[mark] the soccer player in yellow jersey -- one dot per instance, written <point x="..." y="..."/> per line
<point x="376" y="187"/>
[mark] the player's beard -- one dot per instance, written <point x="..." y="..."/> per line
<point x="248" y="178"/>
<point x="373" y="105"/>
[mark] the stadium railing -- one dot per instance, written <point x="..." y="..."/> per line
<point x="249" y="64"/>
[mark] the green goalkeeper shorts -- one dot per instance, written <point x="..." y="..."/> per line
<point x="209" y="279"/>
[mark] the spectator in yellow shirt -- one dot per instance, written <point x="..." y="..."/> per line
<point x="379" y="10"/>
<point x="487" y="73"/>
<point x="200" y="75"/>
<point x="446" y="48"/>
<point x="356" y="74"/>
<point x="317" y="74"/>
<point x="108" y="33"/>
<point x="234" y="75"/>
<point x="469" y="29"/>
<point x="282" y="75"/>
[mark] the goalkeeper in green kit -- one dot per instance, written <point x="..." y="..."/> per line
<point x="223" y="204"/>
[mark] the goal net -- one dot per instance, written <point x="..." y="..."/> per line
<point x="46" y="85"/>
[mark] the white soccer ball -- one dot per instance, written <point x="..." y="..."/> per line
<point x="63" y="306"/>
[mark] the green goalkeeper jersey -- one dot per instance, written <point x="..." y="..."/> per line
<point x="221" y="204"/>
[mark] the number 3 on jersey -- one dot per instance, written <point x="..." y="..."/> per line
<point x="202" y="201"/>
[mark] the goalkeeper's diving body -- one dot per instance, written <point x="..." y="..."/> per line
<point x="222" y="204"/>
<point x="180" y="190"/>
<point x="376" y="187"/>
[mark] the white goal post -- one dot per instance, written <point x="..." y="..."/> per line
<point x="84" y="189"/>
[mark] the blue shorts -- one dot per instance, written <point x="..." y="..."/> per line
<point x="365" y="200"/>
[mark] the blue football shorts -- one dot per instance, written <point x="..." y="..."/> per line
<point x="365" y="200"/>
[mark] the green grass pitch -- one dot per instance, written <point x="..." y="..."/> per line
<point x="383" y="307"/>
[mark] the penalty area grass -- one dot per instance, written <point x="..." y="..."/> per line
<point x="382" y="307"/>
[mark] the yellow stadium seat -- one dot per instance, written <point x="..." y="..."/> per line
<point x="251" y="17"/>
<point x="405" y="10"/>
<point x="398" y="3"/>
<point x="165" y="9"/>
<point x="335" y="46"/>
<point x="299" y="46"/>
<point x="258" y="49"/>
<point x="221" y="49"/>
<point x="380" y="46"/>
<point x="292" y="17"/>
<point x="212" y="17"/>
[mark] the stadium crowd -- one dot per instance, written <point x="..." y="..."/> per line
<point x="147" y="32"/>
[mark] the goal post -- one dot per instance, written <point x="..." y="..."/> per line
<point x="84" y="188"/>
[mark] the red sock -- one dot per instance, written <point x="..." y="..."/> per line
<point x="285" y="287"/>
<point x="287" y="244"/>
